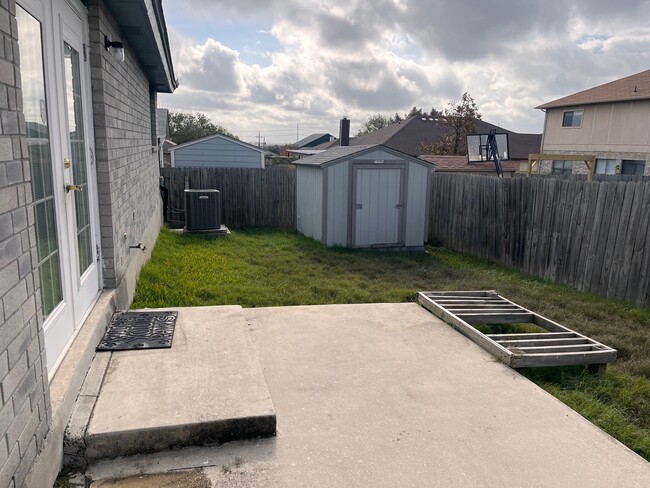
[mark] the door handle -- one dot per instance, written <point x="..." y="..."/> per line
<point x="69" y="188"/>
<point x="359" y="205"/>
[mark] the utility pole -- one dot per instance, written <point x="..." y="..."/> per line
<point x="259" y="139"/>
<point x="297" y="132"/>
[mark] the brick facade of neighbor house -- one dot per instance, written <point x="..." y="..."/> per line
<point x="124" y="109"/>
<point x="25" y="411"/>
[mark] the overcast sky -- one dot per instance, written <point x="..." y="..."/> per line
<point x="275" y="66"/>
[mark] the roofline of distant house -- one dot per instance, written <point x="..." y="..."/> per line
<point x="212" y="136"/>
<point x="557" y="104"/>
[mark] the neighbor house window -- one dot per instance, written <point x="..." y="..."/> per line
<point x="572" y="118"/>
<point x="606" y="167"/>
<point x="562" y="167"/>
<point x="633" y="167"/>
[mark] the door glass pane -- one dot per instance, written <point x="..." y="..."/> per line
<point x="40" y="160"/>
<point x="78" y="155"/>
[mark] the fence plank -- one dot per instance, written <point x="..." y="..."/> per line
<point x="249" y="197"/>
<point x="591" y="236"/>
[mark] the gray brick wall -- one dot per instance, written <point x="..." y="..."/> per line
<point x="25" y="411"/>
<point x="127" y="165"/>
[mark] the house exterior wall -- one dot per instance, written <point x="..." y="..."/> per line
<point x="126" y="153"/>
<point x="337" y="204"/>
<point x="617" y="131"/>
<point x="309" y="201"/>
<point x="25" y="411"/>
<point x="33" y="410"/>
<point x="217" y="153"/>
<point x="606" y="127"/>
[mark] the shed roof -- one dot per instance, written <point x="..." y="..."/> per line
<point x="215" y="136"/>
<point x="633" y="87"/>
<point x="340" y="153"/>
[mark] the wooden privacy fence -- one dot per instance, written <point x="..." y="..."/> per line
<point x="590" y="236"/>
<point x="249" y="197"/>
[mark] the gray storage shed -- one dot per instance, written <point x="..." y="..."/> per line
<point x="216" y="151"/>
<point x="363" y="196"/>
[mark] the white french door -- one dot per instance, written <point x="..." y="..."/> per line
<point x="56" y="86"/>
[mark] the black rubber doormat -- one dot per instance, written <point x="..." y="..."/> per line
<point x="139" y="330"/>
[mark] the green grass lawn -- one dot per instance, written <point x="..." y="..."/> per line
<point x="262" y="267"/>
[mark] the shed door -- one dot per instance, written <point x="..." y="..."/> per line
<point x="378" y="206"/>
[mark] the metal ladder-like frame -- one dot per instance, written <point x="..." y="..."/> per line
<point x="560" y="346"/>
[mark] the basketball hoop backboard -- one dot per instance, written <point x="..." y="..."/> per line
<point x="477" y="148"/>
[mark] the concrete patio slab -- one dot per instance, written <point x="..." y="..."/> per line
<point x="387" y="395"/>
<point x="208" y="388"/>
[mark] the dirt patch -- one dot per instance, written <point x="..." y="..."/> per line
<point x="181" y="479"/>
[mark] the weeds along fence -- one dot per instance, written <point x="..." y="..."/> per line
<point x="591" y="236"/>
<point x="249" y="197"/>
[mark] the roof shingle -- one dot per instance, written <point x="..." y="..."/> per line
<point x="408" y="135"/>
<point x="634" y="87"/>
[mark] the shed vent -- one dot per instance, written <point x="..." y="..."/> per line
<point x="202" y="209"/>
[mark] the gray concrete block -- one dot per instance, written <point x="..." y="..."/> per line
<point x="6" y="417"/>
<point x="6" y="228"/>
<point x="23" y="413"/>
<point x="24" y="265"/>
<point x="4" y="101"/>
<point x="4" y="453"/>
<point x="18" y="346"/>
<point x="5" y="24"/>
<point x="14" y="298"/>
<point x="26" y="461"/>
<point x="9" y="121"/>
<point x="8" y="277"/>
<point x="27" y="435"/>
<point x="9" y="468"/>
<point x="12" y="326"/>
<point x="13" y="379"/>
<point x="10" y="250"/>
<point x="14" y="172"/>
<point x="8" y="199"/>
<point x="4" y="365"/>
<point x="7" y="75"/>
<point x="216" y="367"/>
<point x="19" y="216"/>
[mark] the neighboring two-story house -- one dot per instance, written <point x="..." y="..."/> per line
<point x="610" y="122"/>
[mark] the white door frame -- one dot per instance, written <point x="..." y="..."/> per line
<point x="79" y="293"/>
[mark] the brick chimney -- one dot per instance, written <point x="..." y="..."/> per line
<point x="344" y="132"/>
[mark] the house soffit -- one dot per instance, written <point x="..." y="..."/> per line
<point x="143" y="28"/>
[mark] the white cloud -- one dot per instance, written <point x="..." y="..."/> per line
<point x="356" y="58"/>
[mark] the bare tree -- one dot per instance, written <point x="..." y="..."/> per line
<point x="460" y="118"/>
